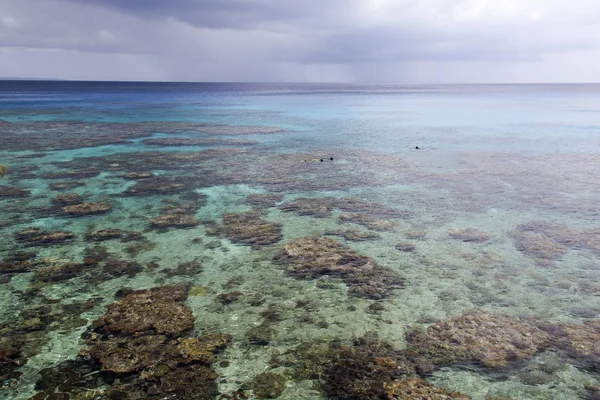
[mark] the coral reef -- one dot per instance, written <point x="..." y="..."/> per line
<point x="181" y="141"/>
<point x="116" y="268"/>
<point x="191" y="268"/>
<point x="104" y="234"/>
<point x="361" y="372"/>
<point x="546" y="241"/>
<point x="579" y="342"/>
<point x="40" y="237"/>
<point x="8" y="192"/>
<point x="263" y="201"/>
<point x="477" y="336"/>
<point x="57" y="271"/>
<point x="156" y="186"/>
<point x="67" y="199"/>
<point x="468" y="235"/>
<point x="134" y="353"/>
<point x="368" y="221"/>
<point x="160" y="309"/>
<point x="307" y="206"/>
<point x="354" y="235"/>
<point x="419" y="389"/>
<point x="239" y="130"/>
<point x="68" y="185"/>
<point x="313" y="257"/>
<point x="138" y="175"/>
<point x="228" y="298"/>
<point x="268" y="385"/>
<point x="247" y="228"/>
<point x="415" y="235"/>
<point x="83" y="209"/>
<point x="542" y="249"/>
<point x="17" y="262"/>
<point x="406" y="246"/>
<point x="174" y="221"/>
<point x="83" y="173"/>
<point x="260" y="335"/>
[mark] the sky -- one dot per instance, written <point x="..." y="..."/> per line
<point x="374" y="41"/>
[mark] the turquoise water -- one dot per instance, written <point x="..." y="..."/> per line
<point x="496" y="210"/>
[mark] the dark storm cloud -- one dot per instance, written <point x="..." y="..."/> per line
<point x="302" y="39"/>
<point x="221" y="14"/>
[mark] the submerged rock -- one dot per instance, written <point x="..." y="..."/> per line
<point x="313" y="257"/>
<point x="477" y="336"/>
<point x="83" y="209"/>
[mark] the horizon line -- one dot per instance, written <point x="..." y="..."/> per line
<point x="11" y="79"/>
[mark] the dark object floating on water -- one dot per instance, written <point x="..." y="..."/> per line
<point x="417" y="148"/>
<point x="331" y="158"/>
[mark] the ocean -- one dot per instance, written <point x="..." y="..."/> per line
<point x="299" y="241"/>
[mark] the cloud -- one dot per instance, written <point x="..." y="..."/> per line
<point x="280" y="40"/>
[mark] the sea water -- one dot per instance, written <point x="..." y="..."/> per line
<point x="471" y="170"/>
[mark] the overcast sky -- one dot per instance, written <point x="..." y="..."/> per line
<point x="406" y="41"/>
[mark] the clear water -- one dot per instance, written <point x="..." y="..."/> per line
<point x="489" y="158"/>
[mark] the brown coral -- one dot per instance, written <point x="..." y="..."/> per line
<point x="40" y="237"/>
<point x="84" y="209"/>
<point x="174" y="221"/>
<point x="313" y="257"/>
<point x="315" y="207"/>
<point x="493" y="340"/>
<point x="7" y="191"/>
<point x="67" y="199"/>
<point x="468" y="235"/>
<point x="542" y="248"/>
<point x="104" y="234"/>
<point x="160" y="309"/>
<point x="419" y="389"/>
<point x="249" y="229"/>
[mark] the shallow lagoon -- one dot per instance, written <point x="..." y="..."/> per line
<point x="471" y="262"/>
